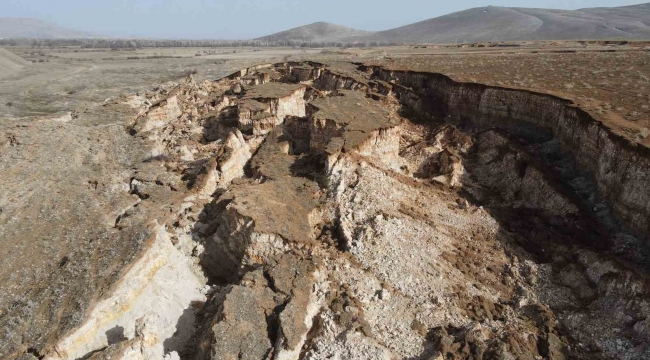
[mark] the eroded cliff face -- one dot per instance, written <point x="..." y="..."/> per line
<point x="157" y="289"/>
<point x="619" y="168"/>
<point x="340" y="211"/>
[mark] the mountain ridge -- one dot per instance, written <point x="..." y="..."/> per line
<point x="495" y="23"/>
<point x="479" y="24"/>
<point x="11" y="27"/>
<point x="318" y="32"/>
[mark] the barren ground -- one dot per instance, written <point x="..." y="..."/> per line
<point x="404" y="202"/>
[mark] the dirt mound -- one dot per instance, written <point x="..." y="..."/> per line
<point x="36" y="29"/>
<point x="10" y="64"/>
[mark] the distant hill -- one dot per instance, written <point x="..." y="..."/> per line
<point x="36" y="29"/>
<point x="493" y="23"/>
<point x="318" y="32"/>
<point x="509" y="24"/>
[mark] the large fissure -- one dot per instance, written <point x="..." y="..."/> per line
<point x="317" y="201"/>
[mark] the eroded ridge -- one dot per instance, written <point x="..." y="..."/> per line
<point x="354" y="212"/>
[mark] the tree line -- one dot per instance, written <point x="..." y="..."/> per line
<point x="150" y="43"/>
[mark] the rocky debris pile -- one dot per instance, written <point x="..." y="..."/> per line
<point x="336" y="211"/>
<point x="267" y="314"/>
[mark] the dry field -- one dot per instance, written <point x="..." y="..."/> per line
<point x="64" y="79"/>
<point x="611" y="81"/>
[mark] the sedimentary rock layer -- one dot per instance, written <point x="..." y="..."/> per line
<point x="619" y="166"/>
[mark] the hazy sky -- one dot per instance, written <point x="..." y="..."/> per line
<point x="241" y="19"/>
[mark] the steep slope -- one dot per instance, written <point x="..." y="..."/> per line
<point x="509" y="24"/>
<point x="36" y="28"/>
<point x="318" y="32"/>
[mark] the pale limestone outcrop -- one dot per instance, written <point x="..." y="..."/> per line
<point x="229" y="165"/>
<point x="249" y="111"/>
<point x="249" y="70"/>
<point x="383" y="144"/>
<point x="305" y="287"/>
<point x="510" y="172"/>
<point x="240" y="328"/>
<point x="259" y="77"/>
<point x="260" y="221"/>
<point x="141" y="347"/>
<point x="264" y="107"/>
<point x="330" y="81"/>
<point x="304" y="73"/>
<point x="159" y="115"/>
<point x="436" y="153"/>
<point x="451" y="169"/>
<point x="160" y="285"/>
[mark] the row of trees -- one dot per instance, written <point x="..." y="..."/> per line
<point x="147" y="43"/>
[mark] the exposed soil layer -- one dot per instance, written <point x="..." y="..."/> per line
<point x="350" y="211"/>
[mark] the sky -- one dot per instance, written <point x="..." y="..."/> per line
<point x="245" y="19"/>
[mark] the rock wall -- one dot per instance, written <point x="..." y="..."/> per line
<point x="260" y="114"/>
<point x="619" y="167"/>
<point x="291" y="105"/>
<point x="381" y="143"/>
<point x="160" y="286"/>
<point x="230" y="165"/>
<point x="514" y="175"/>
<point x="257" y="222"/>
<point x="330" y="80"/>
<point x="364" y="126"/>
<point x="267" y="315"/>
<point x="159" y="115"/>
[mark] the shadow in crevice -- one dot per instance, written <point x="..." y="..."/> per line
<point x="196" y="344"/>
<point x="216" y="264"/>
<point x="522" y="182"/>
<point x="185" y="329"/>
<point x="566" y="239"/>
<point x="311" y="167"/>
<point x="218" y="125"/>
<point x="426" y="99"/>
<point x="115" y="335"/>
